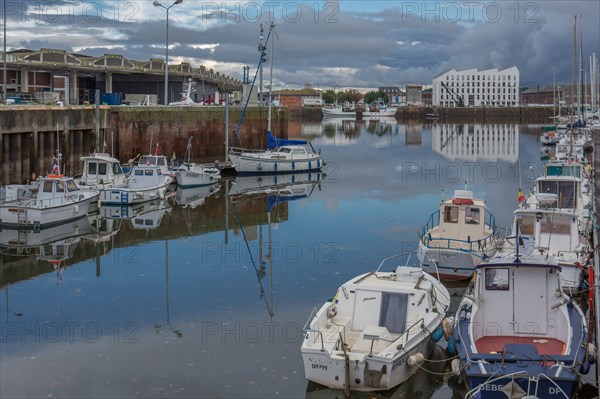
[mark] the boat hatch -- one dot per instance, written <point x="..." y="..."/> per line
<point x="391" y="315"/>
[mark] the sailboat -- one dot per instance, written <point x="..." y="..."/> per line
<point x="282" y="155"/>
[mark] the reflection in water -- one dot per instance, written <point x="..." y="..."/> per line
<point x="146" y="215"/>
<point x="274" y="190"/>
<point x="476" y="142"/>
<point x="339" y="131"/>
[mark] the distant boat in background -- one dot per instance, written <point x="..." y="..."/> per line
<point x="336" y="110"/>
<point x="381" y="110"/>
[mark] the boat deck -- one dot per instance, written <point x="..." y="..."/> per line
<point x="543" y="345"/>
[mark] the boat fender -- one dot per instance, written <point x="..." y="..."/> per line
<point x="455" y="364"/>
<point x="586" y="366"/>
<point x="451" y="348"/>
<point x="416" y="359"/>
<point x="447" y="325"/>
<point x="76" y="208"/>
<point x="259" y="166"/>
<point x="437" y="334"/>
<point x="161" y="194"/>
<point x="591" y="350"/>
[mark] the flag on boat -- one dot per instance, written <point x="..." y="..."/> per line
<point x="521" y="196"/>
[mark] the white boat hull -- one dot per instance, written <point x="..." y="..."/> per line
<point x="330" y="371"/>
<point x="381" y="113"/>
<point x="125" y="196"/>
<point x="34" y="214"/>
<point x="190" y="178"/>
<point x="338" y="113"/>
<point x="253" y="164"/>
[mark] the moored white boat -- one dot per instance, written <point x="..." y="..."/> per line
<point x="193" y="175"/>
<point x="145" y="183"/>
<point x="50" y="201"/>
<point x="517" y="333"/>
<point x="381" y="110"/>
<point x="457" y="237"/>
<point x="100" y="170"/>
<point x="336" y="110"/>
<point x="376" y="331"/>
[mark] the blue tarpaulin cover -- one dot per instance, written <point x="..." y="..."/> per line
<point x="273" y="141"/>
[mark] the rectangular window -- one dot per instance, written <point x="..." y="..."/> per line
<point x="47" y="186"/>
<point x="496" y="279"/>
<point x="92" y="168"/>
<point x="392" y="314"/>
<point x="71" y="186"/>
<point x="139" y="172"/>
<point x="148" y="173"/>
<point x="102" y="169"/>
<point x="472" y="215"/>
<point x="450" y="214"/>
<point x="527" y="225"/>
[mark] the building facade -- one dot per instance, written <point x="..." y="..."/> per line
<point x="392" y="92"/>
<point x="474" y="88"/>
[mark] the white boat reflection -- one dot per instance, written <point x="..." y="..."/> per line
<point x="289" y="184"/>
<point x="494" y="142"/>
<point x="147" y="215"/>
<point x="194" y="196"/>
<point x="26" y="241"/>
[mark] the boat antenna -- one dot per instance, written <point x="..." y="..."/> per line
<point x="151" y="137"/>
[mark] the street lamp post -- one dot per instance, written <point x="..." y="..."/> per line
<point x="156" y="3"/>
<point x="4" y="54"/>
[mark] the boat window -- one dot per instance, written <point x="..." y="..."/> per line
<point x="298" y="152"/>
<point x="117" y="169"/>
<point x="497" y="279"/>
<point x="450" y="214"/>
<point x="71" y="186"/>
<point x="102" y="169"/>
<point x="60" y="186"/>
<point x="47" y="186"/>
<point x="566" y="192"/>
<point x="139" y="222"/>
<point x="139" y="172"/>
<point x="148" y="173"/>
<point x="148" y="222"/>
<point x="161" y="161"/>
<point x="472" y="215"/>
<point x="285" y="150"/>
<point x="92" y="168"/>
<point x="392" y="314"/>
<point x="556" y="224"/>
<point x="527" y="225"/>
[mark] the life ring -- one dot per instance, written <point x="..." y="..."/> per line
<point x="55" y="176"/>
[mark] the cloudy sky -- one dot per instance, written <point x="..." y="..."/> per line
<point x="354" y="43"/>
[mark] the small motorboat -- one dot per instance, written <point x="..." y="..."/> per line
<point x="49" y="201"/>
<point x="194" y="175"/>
<point x="376" y="331"/>
<point x="145" y="183"/>
<point x="100" y="170"/>
<point x="458" y="237"/>
<point x="518" y="334"/>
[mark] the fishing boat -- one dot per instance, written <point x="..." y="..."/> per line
<point x="564" y="187"/>
<point x="518" y="334"/>
<point x="281" y="156"/>
<point x="156" y="160"/>
<point x="458" y="237"/>
<point x="194" y="175"/>
<point x="145" y="183"/>
<point x="50" y="201"/>
<point x="376" y="331"/>
<point x="100" y="170"/>
<point x="339" y="111"/>
<point x="381" y="110"/>
<point x="552" y="233"/>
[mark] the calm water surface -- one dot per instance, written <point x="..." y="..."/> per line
<point x="205" y="294"/>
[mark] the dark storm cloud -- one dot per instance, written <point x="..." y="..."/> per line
<point x="328" y="44"/>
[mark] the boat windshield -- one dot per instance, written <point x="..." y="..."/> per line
<point x="556" y="224"/>
<point x="71" y="186"/>
<point x="565" y="190"/>
<point x="116" y="168"/>
<point x="283" y="150"/>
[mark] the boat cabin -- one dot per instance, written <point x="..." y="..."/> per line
<point x="59" y="187"/>
<point x="519" y="303"/>
<point x="461" y="218"/>
<point x="565" y="190"/>
<point x="101" y="168"/>
<point x="291" y="152"/>
<point x="144" y="176"/>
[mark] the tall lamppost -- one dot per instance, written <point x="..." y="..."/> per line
<point x="4" y="53"/>
<point x="156" y="3"/>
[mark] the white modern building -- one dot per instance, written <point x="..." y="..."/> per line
<point x="474" y="88"/>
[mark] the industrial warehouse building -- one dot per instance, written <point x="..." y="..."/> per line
<point x="49" y="75"/>
<point x="474" y="88"/>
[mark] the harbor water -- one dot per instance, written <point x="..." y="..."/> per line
<point x="206" y="293"/>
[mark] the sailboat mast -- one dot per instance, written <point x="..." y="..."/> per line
<point x="573" y="72"/>
<point x="554" y="90"/>
<point x="581" y="81"/>
<point x="271" y="28"/>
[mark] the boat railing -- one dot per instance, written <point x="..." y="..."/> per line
<point x="456" y="243"/>
<point x="307" y="329"/>
<point x="410" y="254"/>
<point x="420" y="323"/>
